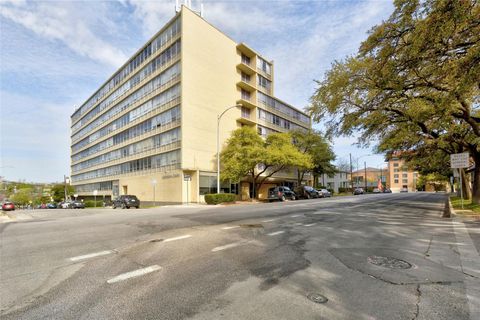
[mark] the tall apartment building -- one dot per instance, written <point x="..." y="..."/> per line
<point x="150" y="130"/>
<point x="400" y="176"/>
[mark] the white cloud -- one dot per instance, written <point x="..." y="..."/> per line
<point x="152" y="14"/>
<point x="65" y="22"/>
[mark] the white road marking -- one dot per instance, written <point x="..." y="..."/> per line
<point x="135" y="273"/>
<point x="227" y="246"/>
<point x="269" y="220"/>
<point x="91" y="255"/>
<point x="177" y="238"/>
<point x="296" y="215"/>
<point x="231" y="227"/>
<point x="309" y="225"/>
<point x="297" y="224"/>
<point x="275" y="233"/>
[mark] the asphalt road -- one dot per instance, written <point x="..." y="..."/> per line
<point x="388" y="256"/>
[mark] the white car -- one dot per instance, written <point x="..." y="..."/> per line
<point x="325" y="192"/>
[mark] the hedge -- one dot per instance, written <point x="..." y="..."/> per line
<point x="91" y="203"/>
<point x="219" y="198"/>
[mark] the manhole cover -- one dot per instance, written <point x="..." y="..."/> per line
<point x="317" y="298"/>
<point x="389" y="262"/>
<point x="251" y="225"/>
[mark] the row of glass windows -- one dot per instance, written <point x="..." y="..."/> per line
<point x="264" y="83"/>
<point x="404" y="175"/>
<point x="160" y="120"/>
<point x="264" y="66"/>
<point x="264" y="132"/>
<point x="151" y="48"/>
<point x="166" y="56"/>
<point x="277" y="105"/>
<point x="152" y="162"/>
<point x="100" y="186"/>
<point x="147" y="89"/>
<point x="154" y="142"/>
<point x="278" y="121"/>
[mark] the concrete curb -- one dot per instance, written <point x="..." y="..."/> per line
<point x="448" y="210"/>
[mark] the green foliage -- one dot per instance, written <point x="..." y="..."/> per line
<point x="316" y="146"/>
<point x="58" y="192"/>
<point x="246" y="150"/>
<point x="414" y="84"/>
<point x="91" y="203"/>
<point x="219" y="198"/>
<point x="22" y="196"/>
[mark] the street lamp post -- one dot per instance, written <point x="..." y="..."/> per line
<point x="219" y="117"/>
<point x="154" y="183"/>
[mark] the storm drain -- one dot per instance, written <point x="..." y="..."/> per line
<point x="317" y="298"/>
<point x="389" y="262"/>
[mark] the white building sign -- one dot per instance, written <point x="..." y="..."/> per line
<point x="459" y="160"/>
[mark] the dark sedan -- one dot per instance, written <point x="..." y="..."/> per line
<point x="77" y="205"/>
<point x="281" y="193"/>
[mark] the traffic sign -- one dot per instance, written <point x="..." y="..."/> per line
<point x="459" y="160"/>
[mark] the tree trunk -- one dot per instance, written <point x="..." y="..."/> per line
<point x="467" y="192"/>
<point x="476" y="179"/>
<point x="254" y="196"/>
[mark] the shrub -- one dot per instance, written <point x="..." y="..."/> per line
<point x="219" y="198"/>
<point x="91" y="203"/>
<point x="344" y="190"/>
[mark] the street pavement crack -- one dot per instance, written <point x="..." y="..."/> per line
<point x="417" y="304"/>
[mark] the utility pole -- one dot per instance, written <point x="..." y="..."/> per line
<point x="365" y="165"/>
<point x="351" y="172"/>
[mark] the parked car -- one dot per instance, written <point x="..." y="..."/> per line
<point x="325" y="193"/>
<point x="358" y="191"/>
<point x="75" y="204"/>
<point x="376" y="190"/>
<point x="51" y="206"/>
<point x="126" y="201"/>
<point x="306" y="192"/>
<point x="63" y="205"/>
<point x="387" y="190"/>
<point x="281" y="193"/>
<point x="404" y="190"/>
<point x="8" y="206"/>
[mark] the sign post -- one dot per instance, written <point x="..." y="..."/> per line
<point x="95" y="192"/>
<point x="154" y="184"/>
<point x="459" y="161"/>
<point x="187" y="178"/>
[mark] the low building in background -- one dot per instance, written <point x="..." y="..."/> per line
<point x="336" y="181"/>
<point x="372" y="175"/>
<point x="401" y="177"/>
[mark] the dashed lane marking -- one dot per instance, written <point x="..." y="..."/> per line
<point x="231" y="227"/>
<point x="134" y="274"/>
<point x="275" y="233"/>
<point x="227" y="246"/>
<point x="177" y="238"/>
<point x="91" y="255"/>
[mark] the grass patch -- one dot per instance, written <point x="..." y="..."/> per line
<point x="342" y="194"/>
<point x="467" y="204"/>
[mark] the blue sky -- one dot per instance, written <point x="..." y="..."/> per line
<point x="55" y="54"/>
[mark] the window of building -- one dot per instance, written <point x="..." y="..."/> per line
<point x="245" y="77"/>
<point x="395" y="164"/>
<point x="396" y="176"/>
<point x="405" y="181"/>
<point x="395" y="181"/>
<point x="246" y="95"/>
<point x="396" y="170"/>
<point x="245" y="113"/>
<point x="245" y="59"/>
<point x="264" y="83"/>
<point x="264" y="66"/>
<point x="405" y="175"/>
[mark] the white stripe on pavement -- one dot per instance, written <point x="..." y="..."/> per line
<point x="227" y="246"/>
<point x="309" y="225"/>
<point x="135" y="273"/>
<point x="177" y="238"/>
<point x="296" y="215"/>
<point x="91" y="255"/>
<point x="231" y="227"/>
<point x="275" y="233"/>
<point x="269" y="220"/>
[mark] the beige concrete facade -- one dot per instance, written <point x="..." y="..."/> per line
<point x="169" y="151"/>
<point x="400" y="176"/>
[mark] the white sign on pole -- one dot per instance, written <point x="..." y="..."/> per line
<point x="95" y="192"/>
<point x="459" y="160"/>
